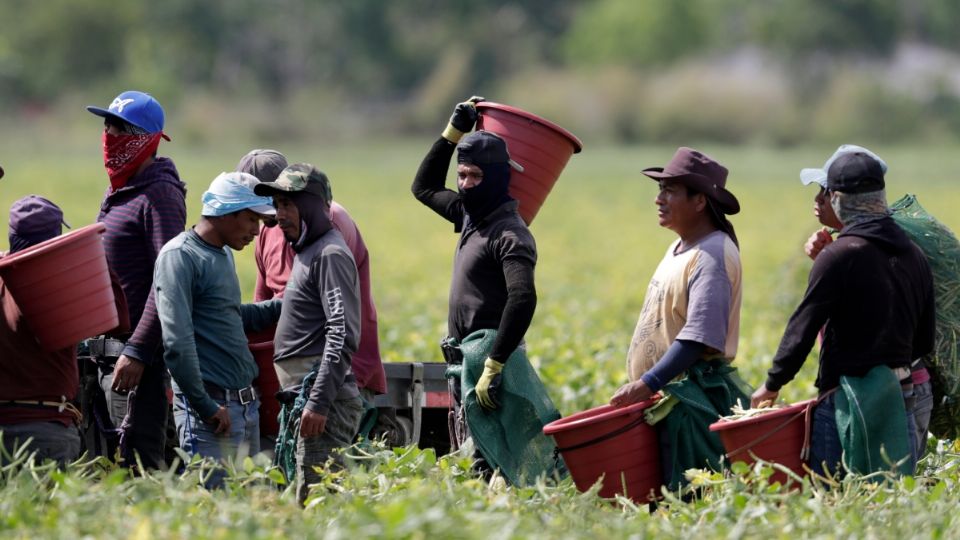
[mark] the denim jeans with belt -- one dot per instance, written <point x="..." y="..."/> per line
<point x="197" y="437"/>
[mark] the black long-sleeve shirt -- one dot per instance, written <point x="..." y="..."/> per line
<point x="493" y="270"/>
<point x="873" y="289"/>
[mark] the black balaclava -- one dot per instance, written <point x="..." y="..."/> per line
<point x="314" y="222"/>
<point x="492" y="192"/>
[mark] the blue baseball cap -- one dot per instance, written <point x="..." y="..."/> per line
<point x="809" y="176"/>
<point x="232" y="192"/>
<point x="137" y="108"/>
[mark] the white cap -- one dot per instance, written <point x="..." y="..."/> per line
<point x="809" y="176"/>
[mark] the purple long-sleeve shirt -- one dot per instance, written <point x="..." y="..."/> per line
<point x="140" y="218"/>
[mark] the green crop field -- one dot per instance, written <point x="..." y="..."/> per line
<point x="598" y="244"/>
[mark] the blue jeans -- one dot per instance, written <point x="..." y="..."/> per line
<point x="198" y="438"/>
<point x="921" y="415"/>
<point x="825" y="450"/>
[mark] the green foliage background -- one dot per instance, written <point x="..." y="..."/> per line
<point x="779" y="72"/>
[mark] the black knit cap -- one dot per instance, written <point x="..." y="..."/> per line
<point x="855" y="173"/>
<point x="484" y="148"/>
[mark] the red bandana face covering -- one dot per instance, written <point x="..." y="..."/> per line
<point x="123" y="155"/>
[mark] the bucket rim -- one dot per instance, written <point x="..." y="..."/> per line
<point x="577" y="144"/>
<point x="261" y="346"/>
<point x="594" y="416"/>
<point x="777" y="413"/>
<point x="47" y="246"/>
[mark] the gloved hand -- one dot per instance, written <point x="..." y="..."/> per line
<point x="462" y="120"/>
<point x="489" y="384"/>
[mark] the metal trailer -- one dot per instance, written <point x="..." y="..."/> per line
<point x="418" y="392"/>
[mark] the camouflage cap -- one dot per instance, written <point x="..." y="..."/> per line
<point x="301" y="177"/>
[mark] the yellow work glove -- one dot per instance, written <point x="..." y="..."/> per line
<point x="489" y="384"/>
<point x="462" y="120"/>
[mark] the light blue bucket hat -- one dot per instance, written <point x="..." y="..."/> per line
<point x="232" y="192"/>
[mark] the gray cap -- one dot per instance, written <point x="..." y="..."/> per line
<point x="265" y="164"/>
<point x="809" y="176"/>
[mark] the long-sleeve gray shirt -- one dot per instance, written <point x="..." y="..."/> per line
<point x="321" y="315"/>
<point x="203" y="321"/>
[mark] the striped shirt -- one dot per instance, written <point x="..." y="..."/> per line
<point x="141" y="217"/>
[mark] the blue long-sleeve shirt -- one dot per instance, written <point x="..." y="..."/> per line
<point x="198" y="301"/>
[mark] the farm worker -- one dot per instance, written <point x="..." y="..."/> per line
<point x="143" y="208"/>
<point x="922" y="397"/>
<point x="873" y="289"/>
<point x="37" y="387"/>
<point x="319" y="329"/>
<point x="690" y="321"/>
<point x="198" y="301"/>
<point x="274" y="257"/>
<point x="493" y="269"/>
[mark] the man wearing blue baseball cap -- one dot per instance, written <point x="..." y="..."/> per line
<point x="143" y="208"/>
<point x="203" y="321"/>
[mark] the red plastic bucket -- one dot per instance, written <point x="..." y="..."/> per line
<point x="62" y="287"/>
<point x="777" y="437"/>
<point x="540" y="146"/>
<point x="261" y="346"/>
<point x="614" y="444"/>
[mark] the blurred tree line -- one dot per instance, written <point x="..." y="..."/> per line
<point x="736" y="70"/>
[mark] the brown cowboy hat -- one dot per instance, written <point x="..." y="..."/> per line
<point x="700" y="172"/>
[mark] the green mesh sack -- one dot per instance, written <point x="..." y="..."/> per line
<point x="511" y="437"/>
<point x="942" y="249"/>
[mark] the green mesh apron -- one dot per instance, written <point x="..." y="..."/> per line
<point x="511" y="437"/>
<point x="943" y="252"/>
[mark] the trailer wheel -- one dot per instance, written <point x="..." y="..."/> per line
<point x="405" y="430"/>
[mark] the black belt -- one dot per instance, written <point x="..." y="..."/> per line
<point x="243" y="395"/>
<point x="104" y="347"/>
<point x="452" y="354"/>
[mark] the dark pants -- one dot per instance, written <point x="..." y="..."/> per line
<point x="146" y="432"/>
<point x="343" y="420"/>
<point x="49" y="440"/>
